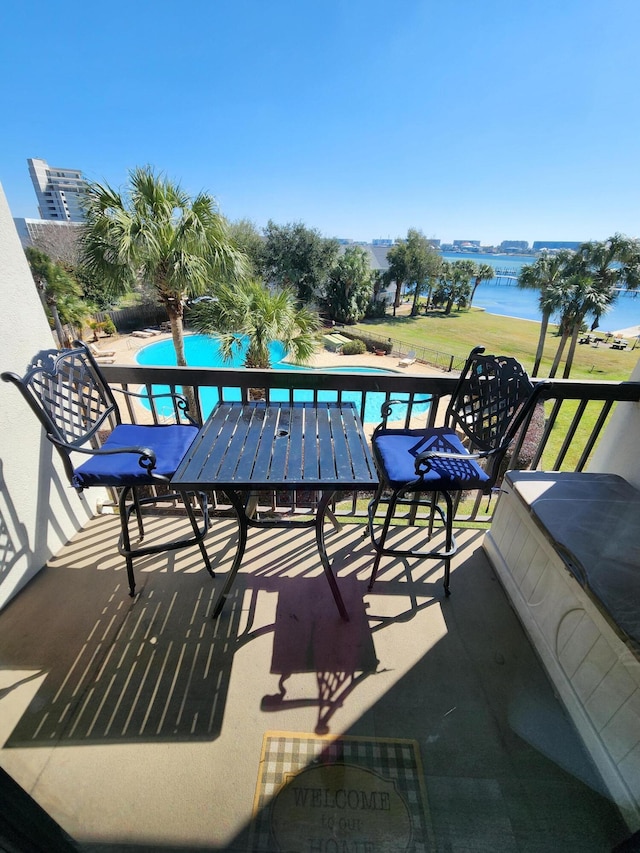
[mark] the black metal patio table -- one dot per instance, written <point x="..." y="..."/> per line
<point x="243" y="448"/>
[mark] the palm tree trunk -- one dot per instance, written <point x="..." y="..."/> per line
<point x="473" y="293"/>
<point x="429" y="295"/>
<point x="56" y="320"/>
<point x="416" y="296"/>
<point x="543" y="333"/>
<point x="175" y="313"/>
<point x="558" y="356"/>
<point x="396" y="301"/>
<point x="572" y="349"/>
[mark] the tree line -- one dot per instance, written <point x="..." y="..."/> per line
<point x="240" y="284"/>
<point x="580" y="286"/>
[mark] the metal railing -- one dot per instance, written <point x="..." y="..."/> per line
<point x="399" y="348"/>
<point x="575" y="412"/>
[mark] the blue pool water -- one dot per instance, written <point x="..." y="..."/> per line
<point x="202" y="351"/>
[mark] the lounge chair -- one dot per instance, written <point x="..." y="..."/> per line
<point x="100" y="354"/>
<point x="408" y="359"/>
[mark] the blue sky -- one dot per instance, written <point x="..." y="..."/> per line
<point x="487" y="120"/>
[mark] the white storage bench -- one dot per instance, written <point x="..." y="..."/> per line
<point x="566" y="548"/>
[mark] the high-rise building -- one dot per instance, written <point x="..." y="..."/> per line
<point x="59" y="191"/>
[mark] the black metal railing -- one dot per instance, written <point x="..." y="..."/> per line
<point x="575" y="412"/>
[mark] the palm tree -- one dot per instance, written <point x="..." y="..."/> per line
<point x="398" y="270"/>
<point x="453" y="283"/>
<point x="249" y="310"/>
<point x="59" y="291"/>
<point x="547" y="275"/>
<point x="155" y="233"/>
<point x="592" y="299"/>
<point x="601" y="269"/>
<point x="482" y="272"/>
<point x="349" y="286"/>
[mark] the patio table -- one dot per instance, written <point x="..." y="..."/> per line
<point x="244" y="448"/>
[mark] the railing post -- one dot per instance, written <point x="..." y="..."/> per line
<point x="450" y="363"/>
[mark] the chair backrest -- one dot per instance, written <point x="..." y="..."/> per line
<point x="491" y="401"/>
<point x="66" y="391"/>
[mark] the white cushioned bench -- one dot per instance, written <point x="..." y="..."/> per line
<point x="566" y="548"/>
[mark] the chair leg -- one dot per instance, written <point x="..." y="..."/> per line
<point x="379" y="546"/>
<point x="196" y="530"/>
<point x="449" y="541"/>
<point x="126" y="541"/>
<point x="138" y="511"/>
<point x="135" y="505"/>
<point x="447" y="518"/>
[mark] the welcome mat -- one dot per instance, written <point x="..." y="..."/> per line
<point x="340" y="795"/>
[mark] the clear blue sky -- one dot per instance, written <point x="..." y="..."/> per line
<point x="484" y="120"/>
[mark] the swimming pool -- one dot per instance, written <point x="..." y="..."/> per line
<point x="203" y="351"/>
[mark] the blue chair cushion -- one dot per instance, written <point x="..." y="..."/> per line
<point x="396" y="451"/>
<point x="169" y="442"/>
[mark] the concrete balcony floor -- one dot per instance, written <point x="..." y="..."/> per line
<point x="138" y="724"/>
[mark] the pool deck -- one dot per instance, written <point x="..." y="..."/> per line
<point x="127" y="346"/>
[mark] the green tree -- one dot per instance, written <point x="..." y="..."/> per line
<point x="581" y="297"/>
<point x="423" y="264"/>
<point x="453" y="284"/>
<point x="481" y="272"/>
<point x="249" y="240"/>
<point x="350" y="286"/>
<point x="547" y="275"/>
<point x="60" y="293"/>
<point x="596" y="274"/>
<point x="594" y="301"/>
<point x="398" y="270"/>
<point x="250" y="310"/>
<point x="155" y="233"/>
<point x="299" y="258"/>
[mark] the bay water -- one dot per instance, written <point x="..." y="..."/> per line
<point x="502" y="296"/>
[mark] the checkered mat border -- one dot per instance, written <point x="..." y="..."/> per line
<point x="287" y="752"/>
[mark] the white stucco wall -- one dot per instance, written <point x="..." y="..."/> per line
<point x="39" y="511"/>
<point x="619" y="449"/>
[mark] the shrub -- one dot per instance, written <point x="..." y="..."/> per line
<point x="375" y="344"/>
<point x="354" y="347"/>
<point x="376" y="310"/>
<point x="531" y="442"/>
<point x="108" y="327"/>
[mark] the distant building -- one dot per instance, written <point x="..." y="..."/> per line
<point x="538" y="245"/>
<point x="59" y="191"/>
<point x="466" y="244"/>
<point x="514" y="246"/>
<point x="60" y="240"/>
<point x="382" y="241"/>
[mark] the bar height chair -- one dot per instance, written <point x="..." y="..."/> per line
<point x="432" y="467"/>
<point x="77" y="408"/>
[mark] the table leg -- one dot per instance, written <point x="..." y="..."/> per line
<point x="320" y="514"/>
<point x="243" y="525"/>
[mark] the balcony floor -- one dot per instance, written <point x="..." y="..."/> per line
<point x="138" y="724"/>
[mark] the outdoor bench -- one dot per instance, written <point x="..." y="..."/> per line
<point x="566" y="547"/>
<point x="335" y="341"/>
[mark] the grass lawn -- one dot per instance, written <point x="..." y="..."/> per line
<point x="461" y="330"/>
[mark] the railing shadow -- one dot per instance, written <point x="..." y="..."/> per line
<point x="119" y="670"/>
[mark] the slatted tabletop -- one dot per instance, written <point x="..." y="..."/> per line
<point x="279" y="446"/>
